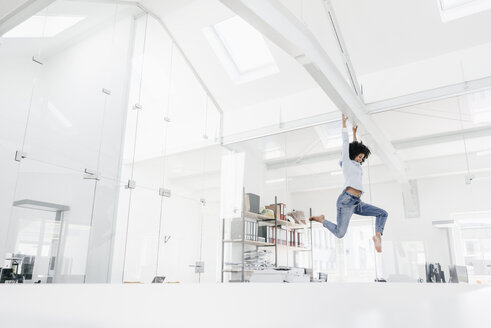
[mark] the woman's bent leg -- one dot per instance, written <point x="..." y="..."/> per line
<point x="343" y="218"/>
<point x="370" y="210"/>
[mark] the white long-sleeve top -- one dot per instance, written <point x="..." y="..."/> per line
<point x="352" y="170"/>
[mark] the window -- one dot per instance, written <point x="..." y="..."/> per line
<point x="479" y="104"/>
<point x="241" y="49"/>
<point x="454" y="9"/>
<point x="347" y="259"/>
<point x="472" y="244"/>
<point x="39" y="26"/>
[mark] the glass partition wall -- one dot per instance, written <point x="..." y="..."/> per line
<point x="108" y="150"/>
<point x="63" y="91"/>
<point x="170" y="168"/>
<point x="300" y="170"/>
<point x="444" y="146"/>
<point x="114" y="170"/>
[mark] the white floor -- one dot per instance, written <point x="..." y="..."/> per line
<point x="246" y="305"/>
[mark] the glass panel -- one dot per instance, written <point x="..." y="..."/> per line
<point x="44" y="187"/>
<point x="37" y="243"/>
<point x="268" y="179"/>
<point x="191" y="216"/>
<point x="120" y="233"/>
<point x="152" y="62"/>
<point x="140" y="263"/>
<point x="161" y="230"/>
<point x="72" y="126"/>
<point x="194" y="122"/>
<point x="300" y="168"/>
<point x="182" y="230"/>
<point x="67" y="109"/>
<point x="102" y="233"/>
<point x="103" y="225"/>
<point x="17" y="81"/>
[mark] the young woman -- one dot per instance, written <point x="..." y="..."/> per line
<point x="349" y="202"/>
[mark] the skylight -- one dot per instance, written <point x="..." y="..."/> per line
<point x="241" y="49"/>
<point x="454" y="9"/>
<point x="43" y="26"/>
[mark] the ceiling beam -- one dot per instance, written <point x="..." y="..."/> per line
<point x="429" y="95"/>
<point x="483" y="131"/>
<point x="420" y="169"/>
<point x="282" y="127"/>
<point x="477" y="132"/>
<point x="275" y="22"/>
<point x="23" y="11"/>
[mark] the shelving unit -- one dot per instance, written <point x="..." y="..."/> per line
<point x="249" y="242"/>
<point x="262" y="220"/>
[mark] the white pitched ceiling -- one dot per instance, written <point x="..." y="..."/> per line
<point x="96" y="15"/>
<point x="9" y="6"/>
<point x="386" y="33"/>
<point x="187" y="24"/>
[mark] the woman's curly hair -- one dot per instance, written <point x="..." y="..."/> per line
<point x="356" y="148"/>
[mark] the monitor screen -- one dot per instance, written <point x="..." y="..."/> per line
<point x="434" y="273"/>
<point x="458" y="273"/>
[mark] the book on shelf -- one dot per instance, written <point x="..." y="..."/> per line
<point x="280" y="210"/>
<point x="252" y="203"/>
<point x="249" y="227"/>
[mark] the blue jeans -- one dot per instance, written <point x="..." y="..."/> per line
<point x="348" y="205"/>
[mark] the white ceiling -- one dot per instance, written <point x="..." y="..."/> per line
<point x="379" y="34"/>
<point x="163" y="7"/>
<point x="187" y="23"/>
<point x="384" y="33"/>
<point x="97" y="16"/>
